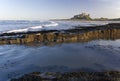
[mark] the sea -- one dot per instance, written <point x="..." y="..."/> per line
<point x="93" y="55"/>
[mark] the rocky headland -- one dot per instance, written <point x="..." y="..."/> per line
<point x="87" y="17"/>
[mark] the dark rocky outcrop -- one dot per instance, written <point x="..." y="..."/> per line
<point x="71" y="76"/>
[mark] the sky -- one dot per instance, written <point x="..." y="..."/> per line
<point x="57" y="9"/>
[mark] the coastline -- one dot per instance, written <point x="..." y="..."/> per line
<point x="78" y="34"/>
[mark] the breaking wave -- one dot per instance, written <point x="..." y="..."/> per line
<point x="27" y="26"/>
<point x="36" y="28"/>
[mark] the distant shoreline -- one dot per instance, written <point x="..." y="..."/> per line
<point x="83" y="20"/>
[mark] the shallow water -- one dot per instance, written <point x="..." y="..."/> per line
<point x="99" y="55"/>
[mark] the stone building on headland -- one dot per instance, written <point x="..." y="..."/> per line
<point x="83" y="16"/>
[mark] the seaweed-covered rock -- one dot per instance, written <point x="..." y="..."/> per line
<point x="71" y="76"/>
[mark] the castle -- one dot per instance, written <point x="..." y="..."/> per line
<point x="83" y="16"/>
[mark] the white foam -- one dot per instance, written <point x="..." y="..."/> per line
<point x="52" y="24"/>
<point x="59" y="25"/>
<point x="17" y="31"/>
<point x="36" y="28"/>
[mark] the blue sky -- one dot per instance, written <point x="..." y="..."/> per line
<point x="54" y="9"/>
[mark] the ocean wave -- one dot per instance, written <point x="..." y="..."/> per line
<point x="35" y="28"/>
<point x="51" y="25"/>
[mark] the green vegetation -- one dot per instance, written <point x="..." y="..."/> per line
<point x="101" y="19"/>
<point x="117" y="19"/>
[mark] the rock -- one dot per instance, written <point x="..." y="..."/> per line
<point x="72" y="76"/>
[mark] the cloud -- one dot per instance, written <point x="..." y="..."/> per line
<point x="118" y="8"/>
<point x="109" y="1"/>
